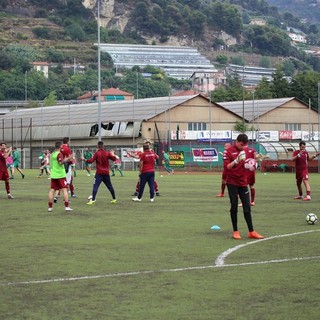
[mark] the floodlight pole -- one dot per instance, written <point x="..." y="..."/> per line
<point x="309" y="114"/>
<point x="210" y="127"/>
<point x="253" y="130"/>
<point x="169" y="118"/>
<point x="133" y="131"/>
<point x="99" y="76"/>
<point x="137" y="84"/>
<point x="243" y="96"/>
<point x="26" y="86"/>
<point x="318" y="125"/>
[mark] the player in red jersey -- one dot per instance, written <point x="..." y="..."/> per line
<point x="237" y="184"/>
<point x="4" y="176"/>
<point x="147" y="172"/>
<point x="58" y="177"/>
<point x="301" y="158"/>
<point x="101" y="157"/>
<point x="137" y="156"/>
<point x="66" y="151"/>
<point x="224" y="173"/>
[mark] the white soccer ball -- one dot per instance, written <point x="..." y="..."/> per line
<point x="311" y="218"/>
<point x="90" y="197"/>
<point x="250" y="164"/>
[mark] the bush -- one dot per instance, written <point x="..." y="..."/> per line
<point x="41" y="32"/>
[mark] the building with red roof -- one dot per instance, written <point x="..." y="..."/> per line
<point x="111" y="94"/>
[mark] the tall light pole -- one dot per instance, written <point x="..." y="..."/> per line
<point x="99" y="75"/>
<point x="253" y="130"/>
<point x="169" y="118"/>
<point x="243" y="96"/>
<point x="137" y="84"/>
<point x="26" y="86"/>
<point x="318" y="124"/>
<point x="210" y="127"/>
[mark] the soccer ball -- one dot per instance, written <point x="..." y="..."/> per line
<point x="311" y="218"/>
<point x="250" y="164"/>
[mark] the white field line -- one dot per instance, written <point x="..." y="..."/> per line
<point x="221" y="258"/>
<point x="218" y="264"/>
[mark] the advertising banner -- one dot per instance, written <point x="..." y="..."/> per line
<point x="310" y="136"/>
<point x="130" y="154"/>
<point x="184" y="135"/>
<point x="251" y="134"/>
<point x="285" y="135"/>
<point x="267" y="136"/>
<point x="216" y="136"/>
<point x="176" y="159"/>
<point x="205" y="155"/>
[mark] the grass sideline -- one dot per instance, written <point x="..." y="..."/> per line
<point x="117" y="242"/>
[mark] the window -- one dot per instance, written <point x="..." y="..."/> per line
<point x="197" y="126"/>
<point x="293" y="126"/>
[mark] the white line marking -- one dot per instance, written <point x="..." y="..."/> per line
<point x="220" y="260"/>
<point x="219" y="264"/>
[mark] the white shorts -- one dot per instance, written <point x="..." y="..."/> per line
<point x="69" y="175"/>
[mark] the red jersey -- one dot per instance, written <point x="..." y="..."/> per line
<point x="3" y="167"/>
<point x="251" y="153"/>
<point x="238" y="175"/>
<point x="101" y="157"/>
<point x="302" y="161"/>
<point x="148" y="158"/>
<point x="65" y="150"/>
<point x="3" y="162"/>
<point x="251" y="174"/>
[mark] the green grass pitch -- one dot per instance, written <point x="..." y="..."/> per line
<point x="158" y="260"/>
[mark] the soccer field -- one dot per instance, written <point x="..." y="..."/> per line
<point x="158" y="260"/>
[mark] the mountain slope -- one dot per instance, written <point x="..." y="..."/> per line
<point x="309" y="10"/>
<point x="70" y="26"/>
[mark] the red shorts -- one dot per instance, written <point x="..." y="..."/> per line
<point x="57" y="184"/>
<point x="4" y="175"/>
<point x="224" y="175"/>
<point x="251" y="178"/>
<point x="302" y="175"/>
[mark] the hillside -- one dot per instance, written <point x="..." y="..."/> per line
<point x="309" y="10"/>
<point x="69" y="27"/>
<point x="64" y="31"/>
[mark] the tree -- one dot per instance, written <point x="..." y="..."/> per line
<point x="54" y="55"/>
<point x="263" y="90"/>
<point x="241" y="127"/>
<point x="76" y="32"/>
<point x="280" y="86"/>
<point x="222" y="59"/>
<point x="196" y="21"/>
<point x="265" y="62"/>
<point x="42" y="32"/>
<point x="238" y="60"/>
<point x="21" y="56"/>
<point x="218" y="43"/>
<point x="304" y="87"/>
<point x="288" y="68"/>
<point x="51" y="99"/>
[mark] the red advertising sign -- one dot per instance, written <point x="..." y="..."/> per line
<point x="285" y="135"/>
